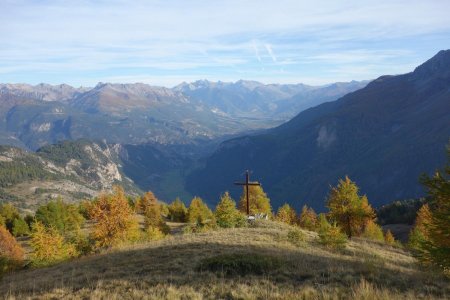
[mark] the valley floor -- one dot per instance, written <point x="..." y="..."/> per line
<point x="169" y="269"/>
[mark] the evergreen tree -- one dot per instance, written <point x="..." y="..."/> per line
<point x="258" y="201"/>
<point x="308" y="219"/>
<point x="227" y="215"/>
<point x="113" y="217"/>
<point x="61" y="216"/>
<point x="177" y="211"/>
<point x="286" y="214"/>
<point x="438" y="230"/>
<point x="20" y="227"/>
<point x="373" y="231"/>
<point x="350" y="211"/>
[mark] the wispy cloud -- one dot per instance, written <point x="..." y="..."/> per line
<point x="66" y="41"/>
<point x="270" y="51"/>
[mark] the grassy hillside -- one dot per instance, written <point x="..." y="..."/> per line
<point x="264" y="265"/>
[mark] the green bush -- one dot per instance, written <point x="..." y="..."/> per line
<point x="296" y="237"/>
<point x="240" y="264"/>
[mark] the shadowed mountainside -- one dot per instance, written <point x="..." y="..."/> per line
<point x="383" y="136"/>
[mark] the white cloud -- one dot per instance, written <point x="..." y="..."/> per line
<point x="216" y="38"/>
<point x="270" y="51"/>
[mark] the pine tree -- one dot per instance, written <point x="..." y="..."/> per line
<point x="308" y="219"/>
<point x="61" y="216"/>
<point x="177" y="211"/>
<point x="286" y="214"/>
<point x="113" y="217"/>
<point x="373" y="231"/>
<point x="227" y="215"/>
<point x="438" y="229"/>
<point x="258" y="201"/>
<point x="11" y="253"/>
<point x="350" y="211"/>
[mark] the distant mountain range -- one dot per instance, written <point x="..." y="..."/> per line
<point x="384" y="136"/>
<point x="34" y="116"/>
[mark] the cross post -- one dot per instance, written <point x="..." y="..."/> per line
<point x="247" y="183"/>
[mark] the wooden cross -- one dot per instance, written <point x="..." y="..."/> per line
<point x="247" y="183"/>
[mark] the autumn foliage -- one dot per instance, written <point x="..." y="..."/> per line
<point x="286" y="214"/>
<point x="373" y="231"/>
<point x="348" y="209"/>
<point x="200" y="215"/>
<point x="258" y="201"/>
<point x="434" y="224"/>
<point x="113" y="217"/>
<point x="11" y="253"/>
<point x="177" y="211"/>
<point x="49" y="246"/>
<point x="308" y="219"/>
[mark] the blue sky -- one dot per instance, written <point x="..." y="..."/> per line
<point x="83" y="42"/>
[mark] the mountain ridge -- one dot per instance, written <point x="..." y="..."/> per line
<point x="371" y="135"/>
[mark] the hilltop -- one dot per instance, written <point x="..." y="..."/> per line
<point x="268" y="267"/>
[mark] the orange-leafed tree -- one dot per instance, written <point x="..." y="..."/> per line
<point x="286" y="214"/>
<point x="11" y="253"/>
<point x="113" y="217"/>
<point x="150" y="207"/>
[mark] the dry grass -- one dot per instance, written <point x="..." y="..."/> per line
<point x="168" y="269"/>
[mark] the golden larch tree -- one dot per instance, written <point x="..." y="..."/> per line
<point x="113" y="217"/>
<point x="258" y="201"/>
<point x="286" y="214"/>
<point x="349" y="210"/>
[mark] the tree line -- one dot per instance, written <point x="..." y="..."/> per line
<point x="59" y="231"/>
